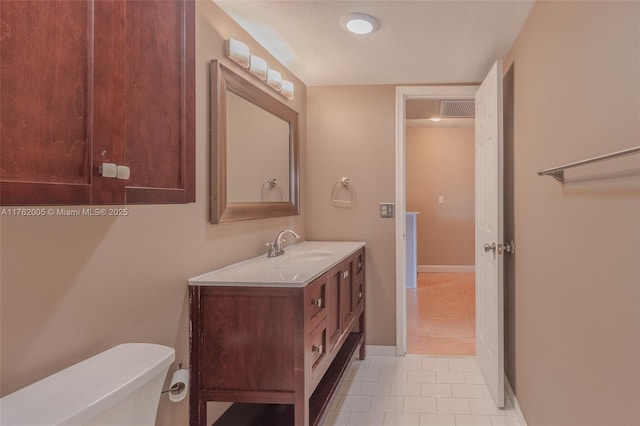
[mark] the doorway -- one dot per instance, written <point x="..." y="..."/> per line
<point x="440" y="201"/>
<point x="403" y="95"/>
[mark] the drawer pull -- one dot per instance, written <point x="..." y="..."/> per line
<point x="345" y="274"/>
<point x="359" y="266"/>
<point x="316" y="349"/>
<point x="317" y="302"/>
<point x="360" y="295"/>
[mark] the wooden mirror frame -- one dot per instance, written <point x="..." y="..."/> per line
<point x="223" y="79"/>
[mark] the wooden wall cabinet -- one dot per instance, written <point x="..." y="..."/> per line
<point x="86" y="82"/>
<point x="277" y="352"/>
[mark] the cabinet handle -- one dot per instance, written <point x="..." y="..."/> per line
<point x="345" y="274"/>
<point x="110" y="170"/>
<point x="317" y="349"/>
<point x="359" y="266"/>
<point x="360" y="295"/>
<point x="317" y="302"/>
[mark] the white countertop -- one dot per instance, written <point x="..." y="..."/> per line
<point x="298" y="266"/>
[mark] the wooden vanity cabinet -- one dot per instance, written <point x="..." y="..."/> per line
<point x="278" y="353"/>
<point x="89" y="82"/>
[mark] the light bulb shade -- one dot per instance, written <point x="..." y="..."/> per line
<point x="258" y="67"/>
<point x="238" y="52"/>
<point x="287" y="89"/>
<point x="274" y="79"/>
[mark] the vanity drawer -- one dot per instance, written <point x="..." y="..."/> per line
<point x="317" y="345"/>
<point x="315" y="303"/>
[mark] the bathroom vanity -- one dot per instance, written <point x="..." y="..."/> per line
<point x="275" y="335"/>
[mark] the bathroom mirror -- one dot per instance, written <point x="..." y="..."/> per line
<point x="254" y="170"/>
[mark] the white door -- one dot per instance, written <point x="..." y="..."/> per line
<point x="489" y="233"/>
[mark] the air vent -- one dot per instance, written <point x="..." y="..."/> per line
<point x="465" y="108"/>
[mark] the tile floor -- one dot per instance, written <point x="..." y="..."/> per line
<point x="441" y="314"/>
<point x="416" y="390"/>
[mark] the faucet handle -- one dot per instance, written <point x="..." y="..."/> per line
<point x="271" y="249"/>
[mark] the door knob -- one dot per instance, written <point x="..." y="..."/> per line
<point x="489" y="247"/>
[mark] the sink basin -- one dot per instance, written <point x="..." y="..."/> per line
<point x="308" y="256"/>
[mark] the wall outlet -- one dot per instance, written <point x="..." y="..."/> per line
<point x="441" y="199"/>
<point x="387" y="210"/>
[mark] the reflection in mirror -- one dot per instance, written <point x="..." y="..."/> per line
<point x="254" y="151"/>
<point x="258" y="155"/>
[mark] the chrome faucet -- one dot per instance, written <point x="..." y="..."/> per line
<point x="276" y="248"/>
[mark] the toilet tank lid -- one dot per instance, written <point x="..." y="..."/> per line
<point x="87" y="388"/>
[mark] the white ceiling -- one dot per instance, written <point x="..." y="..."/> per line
<point x="419" y="41"/>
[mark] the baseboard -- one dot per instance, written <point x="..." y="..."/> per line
<point x="515" y="402"/>
<point x="378" y="350"/>
<point x="446" y="268"/>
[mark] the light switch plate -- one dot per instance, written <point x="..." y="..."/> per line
<point x="387" y="210"/>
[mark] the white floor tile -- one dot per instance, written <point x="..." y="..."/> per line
<point x="463" y="364"/>
<point x="416" y="391"/>
<point x="437" y="420"/>
<point x="467" y="391"/>
<point x="474" y="378"/>
<point x="450" y="377"/>
<point x="365" y="375"/>
<point x="435" y="364"/>
<point x="349" y="387"/>
<point x="401" y="419"/>
<point x="453" y="405"/>
<point x="393" y="375"/>
<point x="505" y="421"/>
<point x="354" y="403"/>
<point x="374" y="388"/>
<point x="366" y="419"/>
<point x="406" y="389"/>
<point x="487" y="393"/>
<point x="413" y="364"/>
<point x="471" y="420"/>
<point x="382" y="363"/>
<point x="436" y="389"/>
<point x="421" y="376"/>
<point x="419" y="404"/>
<point x="485" y="407"/>
<point x="387" y="404"/>
<point x="336" y="418"/>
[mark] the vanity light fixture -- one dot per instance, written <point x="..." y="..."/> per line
<point x="359" y="23"/>
<point x="287" y="89"/>
<point x="258" y="67"/>
<point x="240" y="53"/>
<point x="274" y="79"/>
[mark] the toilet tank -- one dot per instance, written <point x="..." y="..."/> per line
<point x="120" y="386"/>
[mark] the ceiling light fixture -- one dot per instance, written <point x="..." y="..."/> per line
<point x="359" y="23"/>
<point x="435" y="119"/>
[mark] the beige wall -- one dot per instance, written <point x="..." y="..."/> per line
<point x="72" y="287"/>
<point x="440" y="162"/>
<point x="351" y="133"/>
<point x="576" y="77"/>
<point x="75" y="286"/>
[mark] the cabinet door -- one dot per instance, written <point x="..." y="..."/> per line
<point x="45" y="121"/>
<point x="92" y="82"/>
<point x="143" y="100"/>
<point x="346" y="293"/>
